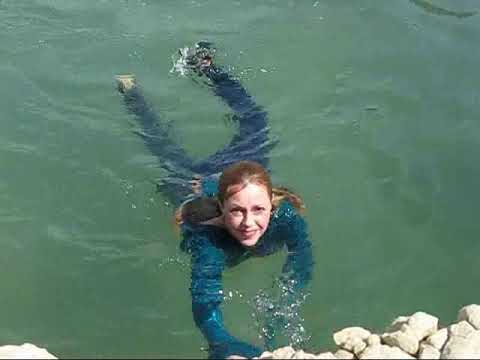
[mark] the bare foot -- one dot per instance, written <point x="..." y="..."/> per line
<point x="125" y="82"/>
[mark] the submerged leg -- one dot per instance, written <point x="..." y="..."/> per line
<point x="251" y="141"/>
<point x="156" y="134"/>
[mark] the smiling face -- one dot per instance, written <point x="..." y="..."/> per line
<point x="246" y="213"/>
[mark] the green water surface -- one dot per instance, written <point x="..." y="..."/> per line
<point x="376" y="107"/>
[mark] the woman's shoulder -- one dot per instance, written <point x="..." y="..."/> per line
<point x="286" y="211"/>
<point x="199" y="230"/>
<point x="287" y="218"/>
<point x="288" y="222"/>
<point x="197" y="236"/>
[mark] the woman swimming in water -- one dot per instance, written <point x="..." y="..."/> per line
<point x="234" y="217"/>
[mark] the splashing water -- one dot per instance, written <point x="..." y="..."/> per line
<point x="278" y="316"/>
<point x="180" y="65"/>
<point x="193" y="58"/>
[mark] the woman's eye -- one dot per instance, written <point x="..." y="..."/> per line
<point x="259" y="209"/>
<point x="236" y="212"/>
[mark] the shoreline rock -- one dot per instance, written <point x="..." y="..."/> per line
<point x="25" y="351"/>
<point x="408" y="337"/>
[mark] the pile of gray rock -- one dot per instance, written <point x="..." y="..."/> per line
<point x="408" y="337"/>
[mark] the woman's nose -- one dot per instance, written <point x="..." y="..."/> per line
<point x="248" y="219"/>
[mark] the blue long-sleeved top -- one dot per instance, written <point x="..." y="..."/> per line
<point x="213" y="249"/>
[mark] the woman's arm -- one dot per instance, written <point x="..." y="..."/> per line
<point x="283" y="316"/>
<point x="208" y="263"/>
<point x="298" y="268"/>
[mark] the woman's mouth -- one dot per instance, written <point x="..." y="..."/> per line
<point x="246" y="234"/>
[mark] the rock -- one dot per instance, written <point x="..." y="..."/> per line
<point x="286" y="352"/>
<point x="384" y="352"/>
<point x="398" y="323"/>
<point x="438" y="339"/>
<point x="353" y="344"/>
<point x="359" y="347"/>
<point x="351" y="338"/>
<point x="266" y="355"/>
<point x="351" y="332"/>
<point x="462" y="329"/>
<point x="403" y="340"/>
<point x="462" y="347"/>
<point x="25" y="351"/>
<point x="428" y="352"/>
<point x="423" y="325"/>
<point x="373" y="340"/>
<point x="470" y="313"/>
<point x="419" y="325"/>
<point x="300" y="354"/>
<point x="327" y="355"/>
<point x="344" y="355"/>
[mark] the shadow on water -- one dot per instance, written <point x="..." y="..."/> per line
<point x="437" y="10"/>
<point x="408" y="186"/>
<point x="406" y="183"/>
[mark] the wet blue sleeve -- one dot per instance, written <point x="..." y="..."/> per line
<point x="298" y="268"/>
<point x="208" y="263"/>
<point x="284" y="315"/>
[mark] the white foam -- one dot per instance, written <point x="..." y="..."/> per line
<point x="180" y="65"/>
